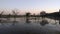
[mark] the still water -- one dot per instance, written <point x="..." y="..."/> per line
<point x="29" y="26"/>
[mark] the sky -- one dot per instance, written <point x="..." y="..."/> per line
<point x="33" y="6"/>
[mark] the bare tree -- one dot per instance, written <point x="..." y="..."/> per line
<point x="15" y="13"/>
<point x="1" y="16"/>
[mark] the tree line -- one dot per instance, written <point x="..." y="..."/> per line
<point x="15" y="14"/>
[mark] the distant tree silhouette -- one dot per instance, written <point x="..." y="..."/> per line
<point x="28" y="14"/>
<point x="42" y="14"/>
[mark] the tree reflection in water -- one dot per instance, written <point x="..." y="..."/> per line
<point x="14" y="22"/>
<point x="27" y="17"/>
<point x="27" y="20"/>
<point x="44" y="22"/>
<point x="59" y="21"/>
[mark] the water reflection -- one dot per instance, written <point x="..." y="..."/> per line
<point x="0" y="19"/>
<point x="27" y="20"/>
<point x="14" y="22"/>
<point x="44" y="22"/>
<point x="32" y="28"/>
<point x="8" y="20"/>
<point x="59" y="21"/>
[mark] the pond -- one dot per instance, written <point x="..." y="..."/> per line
<point x="30" y="25"/>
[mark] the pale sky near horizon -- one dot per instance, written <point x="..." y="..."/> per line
<point x="33" y="6"/>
